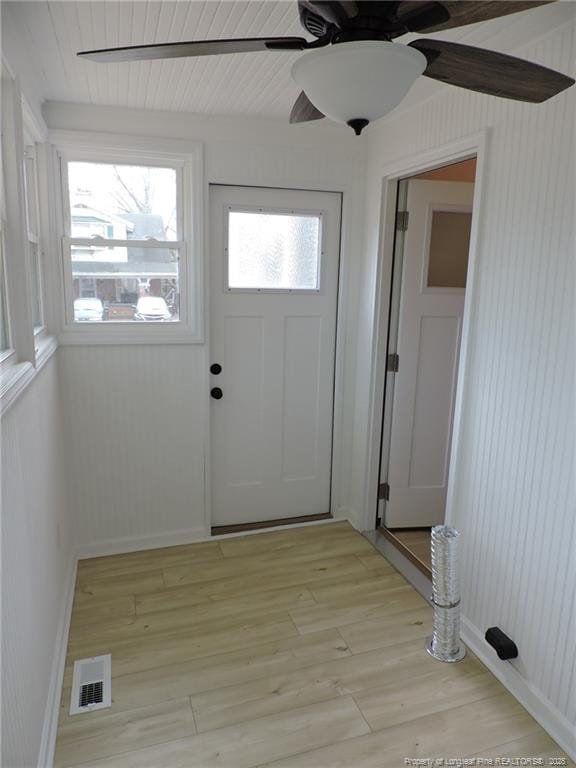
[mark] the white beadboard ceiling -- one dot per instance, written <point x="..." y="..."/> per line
<point x="254" y="84"/>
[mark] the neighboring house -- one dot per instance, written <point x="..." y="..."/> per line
<point x="119" y="275"/>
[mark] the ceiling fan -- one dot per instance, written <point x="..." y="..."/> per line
<point x="354" y="73"/>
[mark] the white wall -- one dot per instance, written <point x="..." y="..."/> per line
<point x="137" y="416"/>
<point x="513" y="483"/>
<point x="36" y="563"/>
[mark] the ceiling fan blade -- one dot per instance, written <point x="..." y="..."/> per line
<point x="489" y="72"/>
<point x="195" y="48"/>
<point x="464" y="12"/>
<point x="304" y="111"/>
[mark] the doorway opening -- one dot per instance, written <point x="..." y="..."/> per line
<point x="426" y="308"/>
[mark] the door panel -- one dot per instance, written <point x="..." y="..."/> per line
<point x="437" y="347"/>
<point x="273" y="298"/>
<point x="301" y="399"/>
<point x="430" y="319"/>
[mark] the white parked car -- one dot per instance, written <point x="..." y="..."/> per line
<point x="152" y="308"/>
<point x="88" y="309"/>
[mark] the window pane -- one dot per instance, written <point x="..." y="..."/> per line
<point x="133" y="284"/>
<point x="36" y="290"/>
<point x="449" y="245"/>
<point x="273" y="251"/>
<point x="123" y="202"/>
<point x="30" y="190"/>
<point x="4" y="335"/>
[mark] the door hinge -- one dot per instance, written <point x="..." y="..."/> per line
<point x="384" y="492"/>
<point x="402" y="220"/>
<point x="393" y="363"/>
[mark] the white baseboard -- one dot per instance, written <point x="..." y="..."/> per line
<point x="189" y="536"/>
<point x="52" y="710"/>
<point x="553" y="721"/>
<point x="346" y="513"/>
<point x="137" y="543"/>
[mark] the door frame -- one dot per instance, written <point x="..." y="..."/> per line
<point x="344" y="193"/>
<point x="453" y="152"/>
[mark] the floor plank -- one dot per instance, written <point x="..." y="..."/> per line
<point x="112" y="734"/>
<point x="353" y="609"/>
<point x="174" y="646"/>
<point x="380" y="633"/>
<point x="451" y="733"/>
<point x="251" y="743"/>
<point x="273" y="560"/>
<point x="443" y="686"/>
<point x="277" y="541"/>
<point x="279" y="577"/>
<point x="351" y="675"/>
<point x="204" y="616"/>
<point x="149" y="560"/>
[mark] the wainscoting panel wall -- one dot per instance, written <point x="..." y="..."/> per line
<point x="36" y="562"/>
<point x="514" y="490"/>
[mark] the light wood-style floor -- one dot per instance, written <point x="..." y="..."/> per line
<point x="295" y="648"/>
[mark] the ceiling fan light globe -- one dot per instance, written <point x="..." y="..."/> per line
<point x="358" y="80"/>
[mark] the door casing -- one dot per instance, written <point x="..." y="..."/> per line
<point x="474" y="145"/>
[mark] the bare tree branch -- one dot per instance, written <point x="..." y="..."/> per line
<point x="142" y="207"/>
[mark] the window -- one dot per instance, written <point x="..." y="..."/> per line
<point x="124" y="244"/>
<point x="448" y="251"/>
<point x="33" y="234"/>
<point x="273" y="250"/>
<point x="4" y="331"/>
<point x="5" y="345"/>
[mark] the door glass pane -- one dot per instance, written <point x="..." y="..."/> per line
<point x="273" y="251"/>
<point x="123" y="202"/>
<point x="449" y="245"/>
<point x="130" y="284"/>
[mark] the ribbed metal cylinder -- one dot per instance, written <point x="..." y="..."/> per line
<point x="445" y="644"/>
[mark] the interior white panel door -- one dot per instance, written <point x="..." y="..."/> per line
<point x="430" y="322"/>
<point x="273" y="300"/>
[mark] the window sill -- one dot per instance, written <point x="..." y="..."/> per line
<point x="45" y="347"/>
<point x="14" y="381"/>
<point x="16" y="378"/>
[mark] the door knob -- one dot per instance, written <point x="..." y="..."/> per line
<point x="215" y="369"/>
<point x="216" y="393"/>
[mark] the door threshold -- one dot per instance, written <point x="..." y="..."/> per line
<point x="219" y="530"/>
<point x="406" y="551"/>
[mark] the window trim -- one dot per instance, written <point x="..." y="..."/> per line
<point x="304" y="212"/>
<point x="31" y="139"/>
<point x="8" y="354"/>
<point x="93" y="147"/>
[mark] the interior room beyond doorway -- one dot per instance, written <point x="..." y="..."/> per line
<point x="427" y="299"/>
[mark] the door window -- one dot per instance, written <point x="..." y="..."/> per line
<point x="273" y="251"/>
<point x="449" y="246"/>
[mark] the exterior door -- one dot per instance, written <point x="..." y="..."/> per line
<point x="435" y="262"/>
<point x="273" y="299"/>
